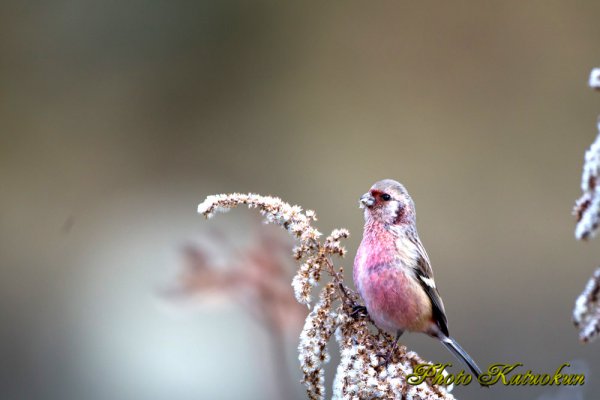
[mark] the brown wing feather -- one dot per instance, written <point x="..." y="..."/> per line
<point x="425" y="278"/>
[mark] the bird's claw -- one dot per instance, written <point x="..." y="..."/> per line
<point x="387" y="357"/>
<point x="358" y="310"/>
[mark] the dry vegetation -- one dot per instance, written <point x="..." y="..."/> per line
<point x="361" y="373"/>
<point x="586" y="314"/>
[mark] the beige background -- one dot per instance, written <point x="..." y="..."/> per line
<point x="117" y="118"/>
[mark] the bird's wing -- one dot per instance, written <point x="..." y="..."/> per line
<point x="425" y="277"/>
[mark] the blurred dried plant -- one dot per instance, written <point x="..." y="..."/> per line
<point x="257" y="279"/>
<point x="361" y="373"/>
<point x="586" y="314"/>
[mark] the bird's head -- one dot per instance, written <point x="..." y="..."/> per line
<point x="389" y="203"/>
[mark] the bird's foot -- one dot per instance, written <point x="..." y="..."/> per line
<point x="386" y="357"/>
<point x="359" y="311"/>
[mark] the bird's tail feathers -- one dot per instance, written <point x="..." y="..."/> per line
<point x="462" y="355"/>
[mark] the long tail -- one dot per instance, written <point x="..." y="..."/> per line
<point x="462" y="355"/>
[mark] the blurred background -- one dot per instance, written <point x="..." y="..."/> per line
<point x="118" y="118"/>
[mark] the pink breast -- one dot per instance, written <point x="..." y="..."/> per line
<point x="394" y="299"/>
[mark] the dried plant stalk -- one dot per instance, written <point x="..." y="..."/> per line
<point x="587" y="207"/>
<point x="594" y="80"/>
<point x="360" y="374"/>
<point x="586" y="314"/>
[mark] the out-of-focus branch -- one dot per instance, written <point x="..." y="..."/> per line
<point x="361" y="372"/>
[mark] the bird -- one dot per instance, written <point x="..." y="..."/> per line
<point x="393" y="274"/>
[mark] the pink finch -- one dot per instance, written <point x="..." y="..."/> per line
<point x="392" y="271"/>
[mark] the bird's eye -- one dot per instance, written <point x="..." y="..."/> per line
<point x="386" y="197"/>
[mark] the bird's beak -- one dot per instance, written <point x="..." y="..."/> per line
<point x="366" y="200"/>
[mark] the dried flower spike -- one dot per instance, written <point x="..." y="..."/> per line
<point x="361" y="373"/>
<point x="594" y="81"/>
<point x="318" y="328"/>
<point x="292" y="219"/>
<point x="586" y="314"/>
<point x="587" y="207"/>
